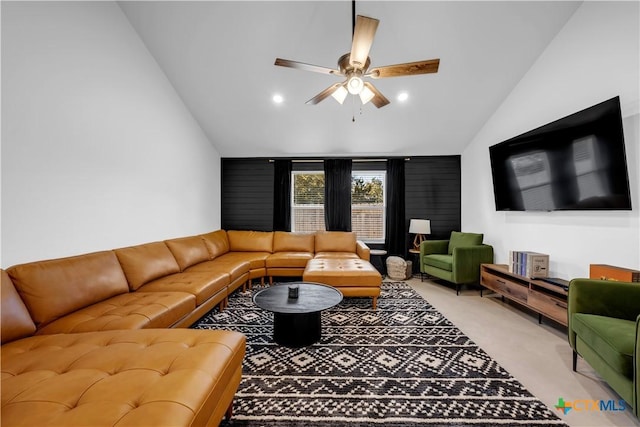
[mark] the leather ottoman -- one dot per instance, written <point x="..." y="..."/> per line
<point x="352" y="277"/>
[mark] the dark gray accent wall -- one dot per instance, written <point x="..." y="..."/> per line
<point x="247" y="194"/>
<point x="432" y="191"/>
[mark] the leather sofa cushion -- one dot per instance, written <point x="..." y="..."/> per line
<point x="344" y="255"/>
<point x="443" y="262"/>
<point x="140" y="377"/>
<point x="250" y="241"/>
<point x="235" y="269"/>
<point x="217" y="243"/>
<point x="188" y="251"/>
<point x="277" y="272"/>
<point x="459" y="239"/>
<point x="202" y="285"/>
<point x="284" y="241"/>
<point x="15" y="320"/>
<point x="335" y="241"/>
<point x="51" y="289"/>
<point x="288" y="259"/>
<point x="136" y="310"/>
<point x="255" y="259"/>
<point x="613" y="339"/>
<point x="143" y="263"/>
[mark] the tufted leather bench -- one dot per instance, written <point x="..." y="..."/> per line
<point x="353" y="277"/>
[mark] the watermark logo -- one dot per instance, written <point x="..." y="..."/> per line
<point x="584" y="405"/>
<point x="563" y="406"/>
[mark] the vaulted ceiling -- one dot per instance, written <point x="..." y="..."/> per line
<point x="220" y="56"/>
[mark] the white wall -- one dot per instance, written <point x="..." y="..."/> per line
<point x="98" y="150"/>
<point x="593" y="58"/>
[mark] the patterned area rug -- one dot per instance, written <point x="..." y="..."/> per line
<point x="403" y="364"/>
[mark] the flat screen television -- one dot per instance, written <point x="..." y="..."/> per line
<point x="574" y="163"/>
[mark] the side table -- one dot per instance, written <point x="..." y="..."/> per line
<point x="415" y="258"/>
<point x="378" y="254"/>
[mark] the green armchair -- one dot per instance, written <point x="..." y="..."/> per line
<point x="456" y="260"/>
<point x="603" y="329"/>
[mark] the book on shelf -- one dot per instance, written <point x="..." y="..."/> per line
<point x="529" y="264"/>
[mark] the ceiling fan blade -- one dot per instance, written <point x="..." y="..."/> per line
<point x="363" y="35"/>
<point x="379" y="100"/>
<point x="324" y="94"/>
<point x="406" y="69"/>
<point x="306" y="67"/>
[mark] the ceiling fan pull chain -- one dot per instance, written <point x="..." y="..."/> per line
<point x="353" y="109"/>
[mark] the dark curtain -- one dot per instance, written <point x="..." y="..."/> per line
<point x="396" y="233"/>
<point x="337" y="194"/>
<point x="282" y="195"/>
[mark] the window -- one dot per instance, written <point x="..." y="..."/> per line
<point x="368" y="207"/>
<point x="307" y="204"/>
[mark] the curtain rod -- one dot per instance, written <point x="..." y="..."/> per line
<point x="321" y="160"/>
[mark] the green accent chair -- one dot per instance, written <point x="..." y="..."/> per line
<point x="603" y="329"/>
<point x="456" y="260"/>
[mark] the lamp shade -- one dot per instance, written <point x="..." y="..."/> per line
<point x="420" y="226"/>
<point x="340" y="94"/>
<point x="366" y="95"/>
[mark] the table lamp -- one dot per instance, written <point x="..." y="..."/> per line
<point x="419" y="227"/>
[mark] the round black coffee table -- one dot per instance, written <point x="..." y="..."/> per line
<point x="296" y="321"/>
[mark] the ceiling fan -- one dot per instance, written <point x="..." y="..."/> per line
<point x="355" y="67"/>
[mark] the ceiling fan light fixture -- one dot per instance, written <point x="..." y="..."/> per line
<point x="355" y="85"/>
<point x="354" y="66"/>
<point x="340" y="94"/>
<point x="366" y="95"/>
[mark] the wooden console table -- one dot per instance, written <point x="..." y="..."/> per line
<point x="546" y="299"/>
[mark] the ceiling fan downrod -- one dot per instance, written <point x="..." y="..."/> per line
<point x="353" y="18"/>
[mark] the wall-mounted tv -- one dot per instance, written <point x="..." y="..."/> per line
<point x="574" y="163"/>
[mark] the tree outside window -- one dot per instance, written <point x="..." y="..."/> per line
<point x="307" y="206"/>
<point x="367" y="203"/>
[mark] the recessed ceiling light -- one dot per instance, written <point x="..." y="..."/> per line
<point x="278" y="99"/>
<point x="403" y="96"/>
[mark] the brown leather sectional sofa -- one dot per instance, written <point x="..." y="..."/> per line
<point x="85" y="338"/>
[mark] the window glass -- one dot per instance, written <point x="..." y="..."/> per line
<point x="307" y="205"/>
<point x="367" y="203"/>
